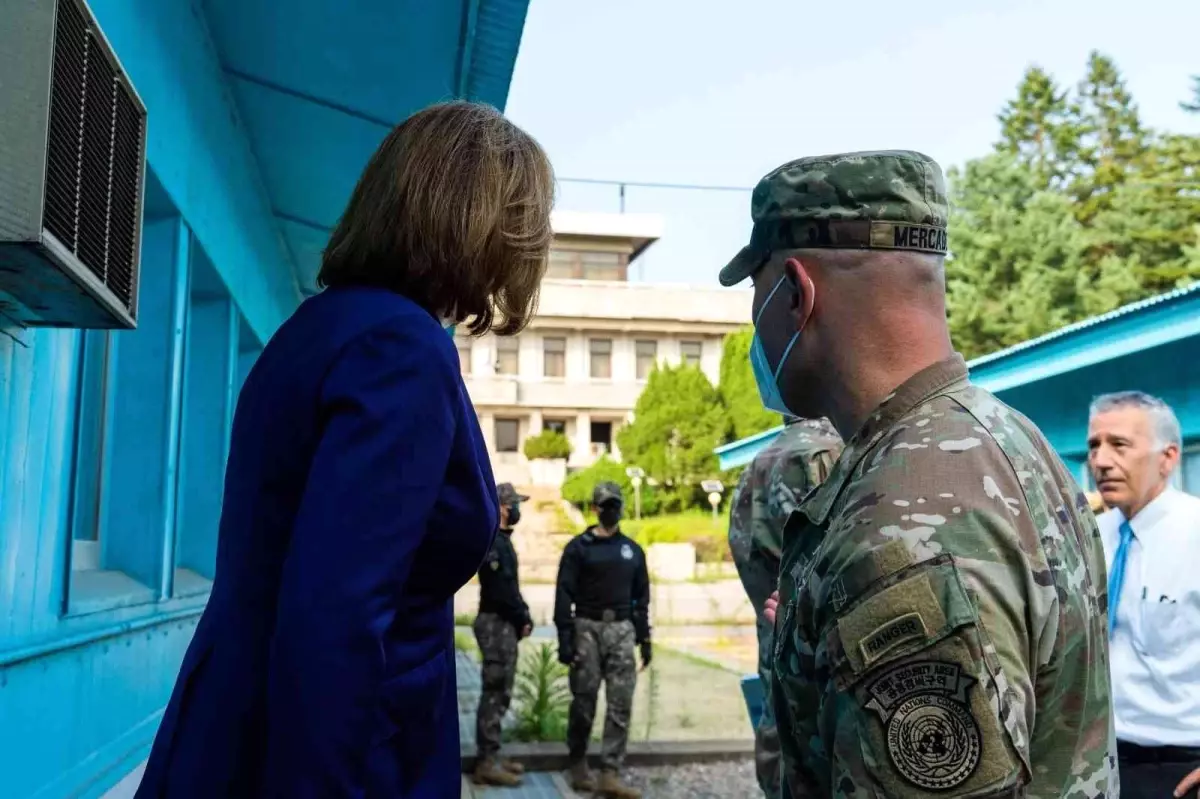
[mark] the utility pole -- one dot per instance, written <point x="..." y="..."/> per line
<point x="635" y="475"/>
<point x="714" y="489"/>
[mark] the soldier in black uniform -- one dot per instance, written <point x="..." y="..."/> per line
<point x="602" y="611"/>
<point x="502" y="621"/>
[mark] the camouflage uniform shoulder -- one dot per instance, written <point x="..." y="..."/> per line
<point x="798" y="460"/>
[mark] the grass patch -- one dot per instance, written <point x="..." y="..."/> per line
<point x="464" y="641"/>
<point x="464" y="619"/>
<point x="684" y="698"/>
<point x="710" y="538"/>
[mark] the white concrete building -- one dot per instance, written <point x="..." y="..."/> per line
<point x="582" y="362"/>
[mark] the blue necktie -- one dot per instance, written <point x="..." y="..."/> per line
<point x="1116" y="578"/>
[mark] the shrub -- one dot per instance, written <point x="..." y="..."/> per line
<point x="577" y="488"/>
<point x="547" y="445"/>
<point x="542" y="697"/>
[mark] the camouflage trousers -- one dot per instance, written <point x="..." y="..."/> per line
<point x="604" y="653"/>
<point x="498" y="647"/>
<point x="759" y="573"/>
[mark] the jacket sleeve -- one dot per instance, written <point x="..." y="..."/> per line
<point x="499" y="577"/>
<point x="377" y="470"/>
<point x="564" y="594"/>
<point x="640" y="612"/>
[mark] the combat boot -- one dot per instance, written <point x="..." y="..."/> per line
<point x="581" y="777"/>
<point x="487" y="772"/>
<point x="611" y="787"/>
<point x="512" y="766"/>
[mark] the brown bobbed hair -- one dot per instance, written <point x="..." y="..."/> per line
<point x="453" y="212"/>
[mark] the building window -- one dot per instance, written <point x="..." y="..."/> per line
<point x="555" y="425"/>
<point x="507" y="435"/>
<point x="689" y="352"/>
<point x="555" y="353"/>
<point x="463" y="345"/>
<point x="647" y="355"/>
<point x="587" y="265"/>
<point x="600" y="358"/>
<point x="602" y="266"/>
<point x="507" y="360"/>
<point x="89" y="474"/>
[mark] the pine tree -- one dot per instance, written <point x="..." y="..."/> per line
<point x="1037" y="128"/>
<point x="1194" y="105"/>
<point x="738" y="389"/>
<point x="1112" y="138"/>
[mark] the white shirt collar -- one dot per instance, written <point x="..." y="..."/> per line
<point x="1155" y="511"/>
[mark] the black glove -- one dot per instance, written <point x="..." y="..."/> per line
<point x="647" y="651"/>
<point x="566" y="651"/>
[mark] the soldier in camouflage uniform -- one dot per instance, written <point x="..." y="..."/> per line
<point x="601" y="610"/>
<point x="942" y="598"/>
<point x="769" y="490"/>
<point x="503" y="620"/>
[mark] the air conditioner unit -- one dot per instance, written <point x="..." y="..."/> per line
<point x="72" y="171"/>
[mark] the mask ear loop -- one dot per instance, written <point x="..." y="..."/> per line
<point x="767" y="301"/>
<point x="796" y="337"/>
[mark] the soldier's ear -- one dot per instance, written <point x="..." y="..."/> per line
<point x="803" y="292"/>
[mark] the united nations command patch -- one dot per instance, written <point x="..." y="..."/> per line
<point x="933" y="739"/>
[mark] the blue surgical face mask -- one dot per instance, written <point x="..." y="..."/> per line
<point x="450" y="330"/>
<point x="766" y="377"/>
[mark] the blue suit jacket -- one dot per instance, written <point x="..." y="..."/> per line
<point x="358" y="499"/>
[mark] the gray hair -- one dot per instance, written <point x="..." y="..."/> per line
<point x="1165" y="425"/>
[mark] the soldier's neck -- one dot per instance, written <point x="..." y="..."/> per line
<point x="604" y="532"/>
<point x="872" y="379"/>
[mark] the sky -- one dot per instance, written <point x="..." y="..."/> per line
<point x="720" y="93"/>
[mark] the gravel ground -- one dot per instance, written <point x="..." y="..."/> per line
<point x="729" y="780"/>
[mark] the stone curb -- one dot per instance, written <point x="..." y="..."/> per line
<point x="551" y="756"/>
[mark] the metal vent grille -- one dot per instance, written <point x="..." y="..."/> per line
<point x="94" y="156"/>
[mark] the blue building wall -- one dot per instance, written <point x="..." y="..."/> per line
<point x="113" y="444"/>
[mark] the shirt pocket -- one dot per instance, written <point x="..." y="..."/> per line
<point x="921" y="704"/>
<point x="1169" y="627"/>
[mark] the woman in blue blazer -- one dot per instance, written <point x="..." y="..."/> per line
<point x="358" y="493"/>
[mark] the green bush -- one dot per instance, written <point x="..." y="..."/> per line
<point x="548" y="445"/>
<point x="577" y="488"/>
<point x="542" y="697"/>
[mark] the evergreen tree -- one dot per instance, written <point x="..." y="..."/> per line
<point x="738" y="389"/>
<point x="1081" y="209"/>
<point x="1112" y="138"/>
<point x="1194" y="105"/>
<point x="678" y="421"/>
<point x="1037" y="128"/>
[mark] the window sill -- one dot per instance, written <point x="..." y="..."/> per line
<point x="96" y="590"/>
<point x="189" y="583"/>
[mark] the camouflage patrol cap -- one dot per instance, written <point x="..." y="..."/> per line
<point x="604" y="492"/>
<point x="886" y="199"/>
<point x="508" y="495"/>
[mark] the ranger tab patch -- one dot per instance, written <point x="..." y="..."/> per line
<point x="932" y="737"/>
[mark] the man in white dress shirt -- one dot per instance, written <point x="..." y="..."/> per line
<point x="1152" y="547"/>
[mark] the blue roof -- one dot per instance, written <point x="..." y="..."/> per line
<point x="1124" y="331"/>
<point x="319" y="83"/>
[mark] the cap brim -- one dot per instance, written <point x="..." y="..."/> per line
<point x="522" y="498"/>
<point x="743" y="265"/>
